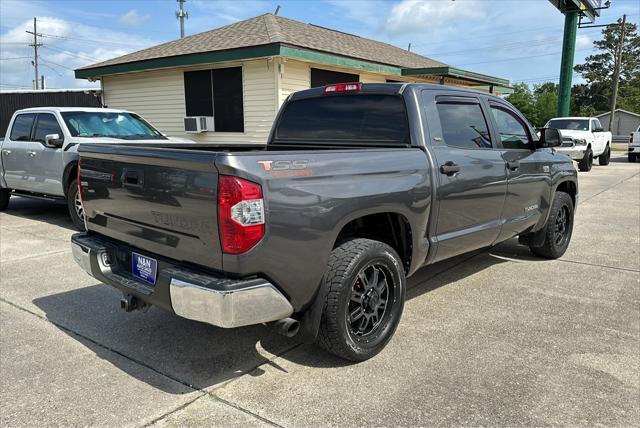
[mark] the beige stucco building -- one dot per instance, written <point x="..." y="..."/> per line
<point x="240" y="74"/>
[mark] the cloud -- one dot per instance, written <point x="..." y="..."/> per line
<point x="583" y="41"/>
<point x="231" y="11"/>
<point x="133" y="18"/>
<point x="415" y="15"/>
<point x="67" y="45"/>
<point x="367" y="12"/>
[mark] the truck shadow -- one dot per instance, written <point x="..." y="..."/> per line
<point x="50" y="212"/>
<point x="197" y="355"/>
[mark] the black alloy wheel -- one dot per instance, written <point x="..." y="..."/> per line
<point x="369" y="300"/>
<point x="562" y="226"/>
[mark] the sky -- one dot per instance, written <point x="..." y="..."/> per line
<point x="520" y="40"/>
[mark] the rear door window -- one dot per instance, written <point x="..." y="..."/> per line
<point x="46" y="124"/>
<point x="463" y="125"/>
<point x="596" y="124"/>
<point x="368" y="119"/>
<point x="21" y="130"/>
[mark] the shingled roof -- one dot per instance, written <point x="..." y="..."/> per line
<point x="270" y="29"/>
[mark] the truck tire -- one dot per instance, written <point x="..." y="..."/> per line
<point x="604" y="158"/>
<point x="558" y="229"/>
<point x="365" y="298"/>
<point x="587" y="161"/>
<point x="74" y="205"/>
<point x="5" y="194"/>
<point x="631" y="157"/>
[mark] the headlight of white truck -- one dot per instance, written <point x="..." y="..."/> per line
<point x="580" y="141"/>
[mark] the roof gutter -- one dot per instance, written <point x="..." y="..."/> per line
<point x="457" y="73"/>
<point x="180" y="60"/>
<point x="293" y="52"/>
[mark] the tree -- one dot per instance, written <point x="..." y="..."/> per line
<point x="539" y="105"/>
<point x="598" y="70"/>
<point x="546" y="102"/>
<point x="523" y="100"/>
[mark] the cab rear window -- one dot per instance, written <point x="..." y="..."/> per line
<point x="363" y="119"/>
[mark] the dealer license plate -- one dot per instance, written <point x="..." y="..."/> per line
<point x="144" y="268"/>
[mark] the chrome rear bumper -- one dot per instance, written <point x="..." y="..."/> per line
<point x="208" y="298"/>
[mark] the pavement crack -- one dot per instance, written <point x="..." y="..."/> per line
<point x="582" y="201"/>
<point x="597" y="265"/>
<point x="36" y="235"/>
<point x="171" y="412"/>
<point x="35" y="256"/>
<point x="154" y="370"/>
<point x="89" y="339"/>
<point x="242" y="409"/>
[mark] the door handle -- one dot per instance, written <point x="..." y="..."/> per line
<point x="6" y="152"/>
<point x="513" y="165"/>
<point x="31" y="153"/>
<point x="132" y="178"/>
<point x="449" y="168"/>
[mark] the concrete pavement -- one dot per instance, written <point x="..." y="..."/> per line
<point x="496" y="337"/>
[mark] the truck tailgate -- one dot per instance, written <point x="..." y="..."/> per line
<point x="160" y="200"/>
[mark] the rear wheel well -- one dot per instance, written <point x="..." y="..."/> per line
<point x="391" y="228"/>
<point x="568" y="187"/>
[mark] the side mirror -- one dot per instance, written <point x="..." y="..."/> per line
<point x="549" y="137"/>
<point x="53" y="141"/>
<point x="598" y="129"/>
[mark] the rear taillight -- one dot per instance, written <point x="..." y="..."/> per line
<point x="631" y="138"/>
<point x="342" y="87"/>
<point x="240" y="214"/>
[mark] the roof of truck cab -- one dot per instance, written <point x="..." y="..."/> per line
<point x="398" y="88"/>
<point x="67" y="109"/>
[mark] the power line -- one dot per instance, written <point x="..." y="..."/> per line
<point x="518" y="58"/>
<point x="492" y="36"/>
<point x="56" y="64"/>
<point x="16" y="57"/>
<point x="99" y="42"/>
<point x="76" y="55"/>
<point x="51" y="68"/>
<point x="502" y="46"/>
<point x="12" y="85"/>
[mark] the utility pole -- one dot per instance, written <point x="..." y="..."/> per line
<point x="616" y="72"/>
<point x="566" y="66"/>
<point x="35" y="46"/>
<point x="181" y="15"/>
<point x="409" y="47"/>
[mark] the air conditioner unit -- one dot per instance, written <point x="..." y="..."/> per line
<point x="197" y="124"/>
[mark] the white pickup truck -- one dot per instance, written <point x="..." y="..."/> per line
<point x="584" y="139"/>
<point x="39" y="158"/>
<point x="634" y="146"/>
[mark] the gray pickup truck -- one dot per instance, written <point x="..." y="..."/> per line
<point x="38" y="156"/>
<point x="359" y="186"/>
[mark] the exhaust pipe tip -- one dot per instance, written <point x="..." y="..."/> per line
<point x="287" y="327"/>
